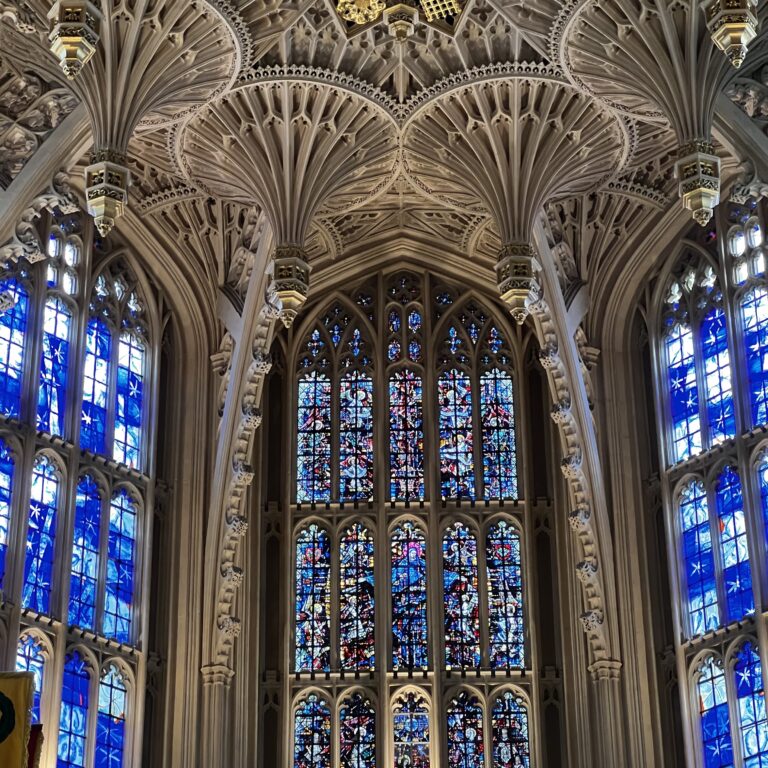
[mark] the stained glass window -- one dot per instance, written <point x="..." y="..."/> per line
<point x="737" y="575"/>
<point x="98" y="354"/>
<point x="313" y="477"/>
<point x="717" y="376"/>
<point x="461" y="604"/>
<point x="511" y="745"/>
<point x="411" y="732"/>
<point x="356" y="605"/>
<point x="118" y="587"/>
<point x="13" y="329"/>
<point x="465" y="732"/>
<point x="356" y="437"/>
<point x="750" y="696"/>
<point x="312" y="734"/>
<point x="85" y="554"/>
<point x="701" y="586"/>
<point x="313" y="600"/>
<point x="73" y="720"/>
<point x="683" y="393"/>
<point x="6" y="495"/>
<point x="406" y="437"/>
<point x="754" y="313"/>
<point x="30" y="657"/>
<point x="762" y="474"/>
<point x="457" y="470"/>
<point x="715" y="718"/>
<point x="357" y="719"/>
<point x="110" y="723"/>
<point x="54" y="366"/>
<point x="129" y="400"/>
<point x="506" y="630"/>
<point x="497" y="416"/>
<point x="409" y="598"/>
<point x="41" y="535"/>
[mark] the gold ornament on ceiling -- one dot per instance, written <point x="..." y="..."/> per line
<point x="74" y="34"/>
<point x="733" y="26"/>
<point x="367" y="11"/>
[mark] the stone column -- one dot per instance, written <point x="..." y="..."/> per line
<point x="214" y="724"/>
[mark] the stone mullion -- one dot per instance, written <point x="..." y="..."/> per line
<point x="483" y="595"/>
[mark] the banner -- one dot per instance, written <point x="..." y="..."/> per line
<point x="16" y="695"/>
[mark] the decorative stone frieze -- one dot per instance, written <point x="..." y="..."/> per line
<point x="561" y="412"/>
<point x="592" y="621"/>
<point x="586" y="571"/>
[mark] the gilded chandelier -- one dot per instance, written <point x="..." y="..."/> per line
<point x="367" y="11"/>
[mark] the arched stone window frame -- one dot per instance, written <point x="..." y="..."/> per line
<point x="341" y="697"/>
<point x="94" y="671"/>
<point x="51" y="692"/>
<point x="398" y="695"/>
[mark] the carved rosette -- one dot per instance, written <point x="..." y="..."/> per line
<point x="733" y="26"/>
<point x="517" y="271"/>
<point x="579" y="519"/>
<point x="106" y="189"/>
<point x="592" y="621"/>
<point x="290" y="281"/>
<point x="74" y="34"/>
<point x="698" y="173"/>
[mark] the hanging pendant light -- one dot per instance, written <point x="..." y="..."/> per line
<point x="74" y="34"/>
<point x="733" y="26"/>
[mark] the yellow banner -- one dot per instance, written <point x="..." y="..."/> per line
<point x="16" y="695"/>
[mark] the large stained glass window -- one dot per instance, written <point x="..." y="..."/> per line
<point x="357" y="721"/>
<point x="511" y="744"/>
<point x="54" y="367"/>
<point x="406" y="436"/>
<point x="312" y="734"/>
<point x="313" y="600"/>
<point x="41" y="535"/>
<point x="737" y="575"/>
<point x="683" y="393"/>
<point x="750" y="697"/>
<point x="98" y="355"/>
<point x="313" y="481"/>
<point x="506" y="630"/>
<point x="717" y="376"/>
<point x="356" y="604"/>
<point x="409" y="598"/>
<point x="119" y="582"/>
<point x="465" y="732"/>
<point x="14" y="308"/>
<point x="86" y="543"/>
<point x="461" y="604"/>
<point x="6" y="497"/>
<point x="715" y="718"/>
<point x="762" y="477"/>
<point x="129" y="400"/>
<point x="411" y="731"/>
<point x="30" y="657"/>
<point x="356" y="437"/>
<point x="497" y="416"/>
<point x="754" y="314"/>
<point x="73" y="720"/>
<point x="110" y="723"/>
<point x="457" y="469"/>
<point x="701" y="585"/>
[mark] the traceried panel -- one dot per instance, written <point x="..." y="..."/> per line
<point x="98" y="356"/>
<point x="356" y="602"/>
<point x="30" y="657"/>
<point x="110" y="723"/>
<point x="86" y="543"/>
<point x="120" y="576"/>
<point x="466" y="748"/>
<point x="313" y="600"/>
<point x="411" y="731"/>
<point x="511" y="741"/>
<point x="7" y="463"/>
<point x="54" y="366"/>
<point x="312" y="733"/>
<point x="357" y="720"/>
<point x="73" y="720"/>
<point x="406" y="436"/>
<point x="714" y="714"/>
<point x="14" y="308"/>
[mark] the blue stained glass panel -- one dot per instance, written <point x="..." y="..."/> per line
<point x="73" y="721"/>
<point x="313" y="450"/>
<point x="465" y="733"/>
<point x="312" y="734"/>
<point x="715" y="719"/>
<point x="85" y="554"/>
<point x="461" y="604"/>
<point x="750" y="695"/>
<point x="762" y="474"/>
<point x="93" y="417"/>
<point x="511" y="743"/>
<point x="410" y="722"/>
<point x="30" y="657"/>
<point x="121" y="566"/>
<point x="717" y="376"/>
<point x="683" y="393"/>
<point x="130" y="395"/>
<point x="703" y="612"/>
<point x="497" y="416"/>
<point x="506" y="622"/>
<point x="41" y="536"/>
<point x="313" y="600"/>
<point x="54" y="366"/>
<point x="409" y="598"/>
<point x="13" y="330"/>
<point x="754" y="313"/>
<point x="110" y="723"/>
<point x="457" y="468"/>
<point x="357" y="719"/>
<point x="6" y="495"/>
<point x="356" y="605"/>
<point x="356" y="437"/>
<point x="406" y="437"/>
<point x="737" y="573"/>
